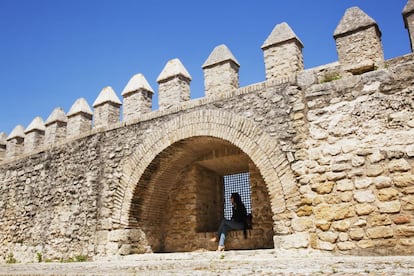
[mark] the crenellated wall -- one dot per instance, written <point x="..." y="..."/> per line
<point x="329" y="150"/>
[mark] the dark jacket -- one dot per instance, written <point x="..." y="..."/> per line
<point x="239" y="213"/>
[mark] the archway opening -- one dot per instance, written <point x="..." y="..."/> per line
<point x="180" y="199"/>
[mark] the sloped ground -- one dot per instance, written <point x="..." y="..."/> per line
<point x="257" y="262"/>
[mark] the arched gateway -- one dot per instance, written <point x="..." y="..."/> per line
<point x="172" y="186"/>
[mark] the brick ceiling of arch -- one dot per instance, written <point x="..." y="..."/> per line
<point x="163" y="173"/>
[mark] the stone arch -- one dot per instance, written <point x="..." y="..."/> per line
<point x="241" y="132"/>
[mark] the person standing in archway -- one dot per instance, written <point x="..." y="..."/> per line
<point x="237" y="221"/>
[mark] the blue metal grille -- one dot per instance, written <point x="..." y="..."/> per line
<point x="237" y="183"/>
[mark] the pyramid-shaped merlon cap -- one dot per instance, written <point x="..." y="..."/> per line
<point x="107" y="95"/>
<point x="137" y="83"/>
<point x="173" y="68"/>
<point x="36" y="124"/>
<point x="57" y="115"/>
<point x="80" y="106"/>
<point x="3" y="138"/>
<point x="354" y="19"/>
<point x="409" y="7"/>
<point x="281" y="33"/>
<point x="220" y="54"/>
<point x="17" y="132"/>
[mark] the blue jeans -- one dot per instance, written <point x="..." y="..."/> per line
<point x="225" y="226"/>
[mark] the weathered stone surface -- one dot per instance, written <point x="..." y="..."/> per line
<point x="362" y="183"/>
<point x="389" y="206"/>
<point x="324" y="245"/>
<point x="387" y="194"/>
<point x="341" y="225"/>
<point x="379" y="219"/>
<point x="403" y="180"/>
<point x="405" y="230"/>
<point x="408" y="202"/>
<point x="365" y="243"/>
<point x="343" y="211"/>
<point x="302" y="224"/>
<point x="400" y="165"/>
<point x="298" y="240"/>
<point x="324" y="212"/>
<point x="304" y="211"/>
<point x="356" y="234"/>
<point x="364" y="196"/>
<point x="401" y="219"/>
<point x="347" y="245"/>
<point x="330" y="163"/>
<point x="380" y="232"/>
<point x="324" y="225"/>
<point x="328" y="236"/>
<point x="323" y="188"/>
<point x="364" y="209"/>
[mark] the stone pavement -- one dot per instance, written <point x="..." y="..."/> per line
<point x="257" y="262"/>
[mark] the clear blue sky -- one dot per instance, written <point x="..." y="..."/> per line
<point x="53" y="52"/>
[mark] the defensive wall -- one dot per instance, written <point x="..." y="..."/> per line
<point x="329" y="152"/>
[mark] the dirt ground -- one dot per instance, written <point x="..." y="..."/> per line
<point x="257" y="262"/>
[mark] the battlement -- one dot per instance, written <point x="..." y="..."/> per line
<point x="358" y="44"/>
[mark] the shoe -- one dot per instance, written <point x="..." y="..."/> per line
<point x="213" y="239"/>
<point x="220" y="248"/>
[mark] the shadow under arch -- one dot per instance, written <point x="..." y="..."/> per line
<point x="263" y="151"/>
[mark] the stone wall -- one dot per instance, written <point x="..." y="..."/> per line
<point x="329" y="151"/>
<point x="49" y="202"/>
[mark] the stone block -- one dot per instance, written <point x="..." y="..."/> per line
<point x="343" y="236"/>
<point x="360" y="223"/>
<point x="112" y="248"/>
<point x="408" y="202"/>
<point x="341" y="225"/>
<point x="324" y="225"/>
<point x="324" y="245"/>
<point x="323" y="188"/>
<point x="324" y="212"/>
<point x="382" y="182"/>
<point x="344" y="210"/>
<point x="364" y="196"/>
<point x="304" y="211"/>
<point x="387" y="194"/>
<point x="328" y="236"/>
<point x="356" y="234"/>
<point x="376" y="157"/>
<point x="362" y="183"/>
<point x="297" y="240"/>
<point x="399" y="165"/>
<point x="401" y="219"/>
<point x="346" y="196"/>
<point x="280" y="228"/>
<point x="407" y="242"/>
<point x="380" y="243"/>
<point x="379" y="219"/>
<point x="101" y="237"/>
<point x="380" y="232"/>
<point x="389" y="206"/>
<point x="374" y="170"/>
<point x="347" y="245"/>
<point x="364" y="209"/>
<point x="403" y="180"/>
<point x="404" y="230"/>
<point x="302" y="224"/>
<point x="358" y="161"/>
<point x="119" y="235"/>
<point x="125" y="249"/>
<point x="136" y="235"/>
<point x="365" y="244"/>
<point x="344" y="185"/>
